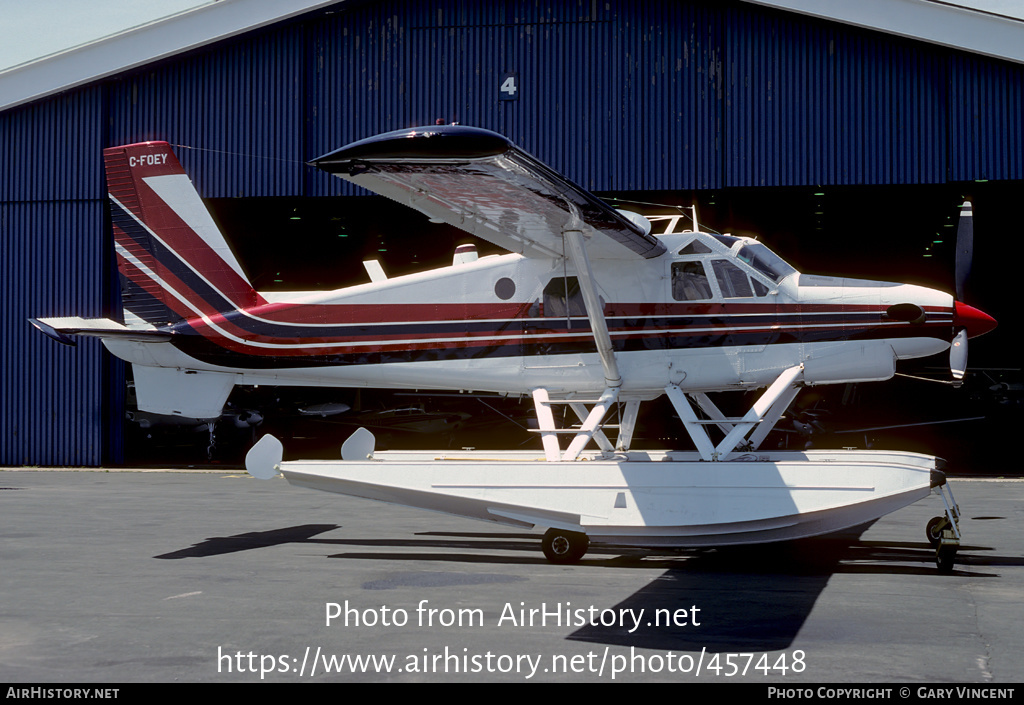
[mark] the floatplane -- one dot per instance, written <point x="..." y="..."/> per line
<point x="589" y="313"/>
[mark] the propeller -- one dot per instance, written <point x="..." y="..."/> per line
<point x="968" y="321"/>
<point x="958" y="357"/>
<point x="964" y="248"/>
<point x="962" y="270"/>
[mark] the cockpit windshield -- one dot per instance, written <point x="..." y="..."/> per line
<point x="765" y="261"/>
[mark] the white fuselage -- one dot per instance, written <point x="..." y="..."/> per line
<point x="417" y="331"/>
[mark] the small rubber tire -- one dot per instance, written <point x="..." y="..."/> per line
<point x="945" y="557"/>
<point x="562" y="547"/>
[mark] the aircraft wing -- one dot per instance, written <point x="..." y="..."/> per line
<point x="480" y="182"/>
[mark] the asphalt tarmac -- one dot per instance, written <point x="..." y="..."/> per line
<point x="166" y="576"/>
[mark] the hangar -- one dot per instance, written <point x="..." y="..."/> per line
<point x="844" y="135"/>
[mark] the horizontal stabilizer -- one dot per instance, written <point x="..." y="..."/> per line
<point x="60" y="328"/>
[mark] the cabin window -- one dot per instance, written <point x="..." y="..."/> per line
<point x="562" y="297"/>
<point x="504" y="288"/>
<point x="690" y="281"/>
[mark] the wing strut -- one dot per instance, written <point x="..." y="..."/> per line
<point x="595" y="312"/>
<point x="591" y="428"/>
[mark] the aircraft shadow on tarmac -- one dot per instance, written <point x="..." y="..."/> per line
<point x="220" y="545"/>
<point x="760" y="595"/>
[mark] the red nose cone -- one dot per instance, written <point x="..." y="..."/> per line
<point x="976" y="322"/>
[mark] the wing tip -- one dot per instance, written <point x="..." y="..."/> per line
<point x="455" y="142"/>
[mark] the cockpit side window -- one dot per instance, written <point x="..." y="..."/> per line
<point x="690" y="281"/>
<point x="732" y="281"/>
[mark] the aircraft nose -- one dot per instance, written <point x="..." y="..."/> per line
<point x="976" y="322"/>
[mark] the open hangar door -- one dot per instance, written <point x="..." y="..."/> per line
<point x="892" y="233"/>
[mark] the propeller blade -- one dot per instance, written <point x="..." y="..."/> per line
<point x="958" y="356"/>
<point x="964" y="247"/>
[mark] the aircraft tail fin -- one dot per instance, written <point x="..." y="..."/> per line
<point x="174" y="262"/>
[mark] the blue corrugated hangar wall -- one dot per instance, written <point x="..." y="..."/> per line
<point x="617" y="95"/>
